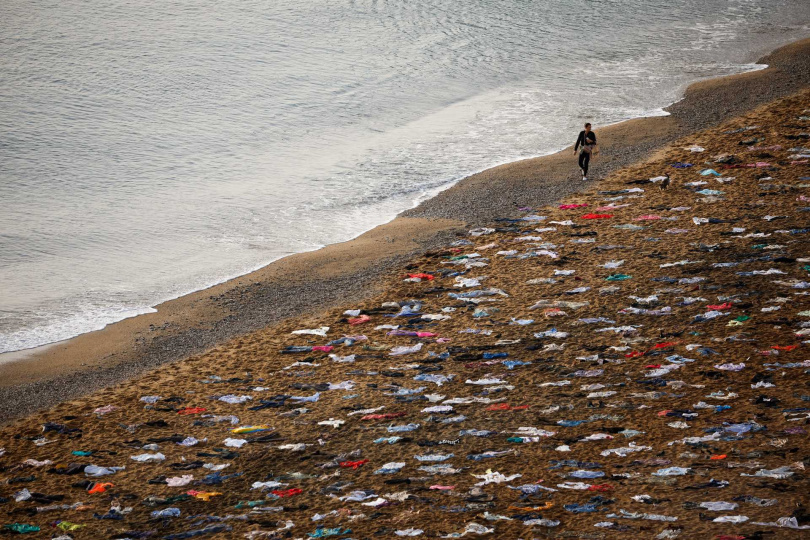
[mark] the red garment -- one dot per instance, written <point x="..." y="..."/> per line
<point x="784" y="347"/>
<point x="353" y="464"/>
<point x="192" y="410"/>
<point x="287" y="492"/>
<point x="725" y="305"/>
<point x="421" y="276"/>
<point x="323" y="348"/>
<point x="597" y="216"/>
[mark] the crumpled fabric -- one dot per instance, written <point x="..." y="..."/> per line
<point x="96" y="471"/>
<point x="148" y="457"/>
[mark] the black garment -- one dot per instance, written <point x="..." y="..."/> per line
<point x="582" y="142"/>
<point x="584" y="159"/>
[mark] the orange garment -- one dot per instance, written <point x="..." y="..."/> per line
<point x="100" y="487"/>
<point x="545" y="506"/>
<point x="506" y="407"/>
<point x="203" y="495"/>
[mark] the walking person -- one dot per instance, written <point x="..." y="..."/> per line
<point x="587" y="142"/>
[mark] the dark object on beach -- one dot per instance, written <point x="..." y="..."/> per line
<point x="665" y="182"/>
<point x="21" y="479"/>
<point x="70" y="469"/>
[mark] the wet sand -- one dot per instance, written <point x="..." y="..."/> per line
<point x="313" y="282"/>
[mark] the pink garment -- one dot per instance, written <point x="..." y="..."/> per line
<point x="359" y="320"/>
<point x="105" y="409"/>
<point x="178" y="481"/>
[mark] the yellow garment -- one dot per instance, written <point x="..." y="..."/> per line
<point x="205" y="495"/>
<point x="68" y="526"/>
<point x="250" y="429"/>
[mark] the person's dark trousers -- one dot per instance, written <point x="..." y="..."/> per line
<point x="584" y="159"/>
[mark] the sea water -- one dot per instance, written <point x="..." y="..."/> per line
<point x="152" y="148"/>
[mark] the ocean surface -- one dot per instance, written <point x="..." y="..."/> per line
<point x="152" y="148"/>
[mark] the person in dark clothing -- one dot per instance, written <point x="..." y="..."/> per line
<point x="586" y="144"/>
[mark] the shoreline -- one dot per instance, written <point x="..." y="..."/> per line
<point x="21" y="354"/>
<point x="309" y="283"/>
